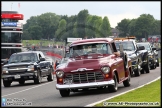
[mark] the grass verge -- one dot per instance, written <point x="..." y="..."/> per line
<point x="37" y="42"/>
<point x="149" y="95"/>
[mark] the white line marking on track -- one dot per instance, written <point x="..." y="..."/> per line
<point x="27" y="89"/>
<point x="90" y="105"/>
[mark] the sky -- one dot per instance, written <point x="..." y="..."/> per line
<point x="114" y="10"/>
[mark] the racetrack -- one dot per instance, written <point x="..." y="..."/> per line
<point x="45" y="94"/>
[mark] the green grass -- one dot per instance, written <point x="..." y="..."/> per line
<point x="159" y="60"/>
<point x="37" y="42"/>
<point x="148" y="93"/>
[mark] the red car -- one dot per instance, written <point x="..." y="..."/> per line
<point x="93" y="63"/>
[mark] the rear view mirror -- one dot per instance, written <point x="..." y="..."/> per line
<point x="121" y="50"/>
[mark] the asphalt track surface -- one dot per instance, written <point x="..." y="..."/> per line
<point x="46" y="94"/>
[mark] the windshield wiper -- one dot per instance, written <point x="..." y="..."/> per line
<point x="128" y="49"/>
<point x="25" y="60"/>
<point x="13" y="62"/>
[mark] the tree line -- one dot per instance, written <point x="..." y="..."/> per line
<point x="84" y="25"/>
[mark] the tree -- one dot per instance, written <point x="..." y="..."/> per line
<point x="144" y="25"/>
<point x="105" y="29"/>
<point x="61" y="29"/>
<point x="123" y="27"/>
<point x="81" y="20"/>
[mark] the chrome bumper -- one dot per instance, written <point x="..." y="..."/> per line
<point x="85" y="85"/>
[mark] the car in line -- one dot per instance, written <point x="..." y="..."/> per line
<point x="153" y="55"/>
<point x="30" y="65"/>
<point x="138" y="55"/>
<point x="93" y="64"/>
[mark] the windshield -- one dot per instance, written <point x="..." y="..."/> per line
<point x="147" y="47"/>
<point x="10" y="37"/>
<point x="92" y="48"/>
<point x="27" y="57"/>
<point x="127" y="45"/>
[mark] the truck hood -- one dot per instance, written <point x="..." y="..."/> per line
<point x="73" y="65"/>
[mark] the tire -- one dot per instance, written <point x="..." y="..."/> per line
<point x="142" y="71"/>
<point x="137" y="71"/>
<point x="157" y="64"/>
<point x="154" y="66"/>
<point x="126" y="83"/>
<point x="22" y="82"/>
<point x="38" y="79"/>
<point x="6" y="83"/>
<point x="64" y="93"/>
<point x="146" y="68"/>
<point x="50" y="76"/>
<point x="113" y="88"/>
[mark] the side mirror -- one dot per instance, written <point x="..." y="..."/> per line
<point x="121" y="50"/>
<point x="42" y="59"/>
<point x="141" y="48"/>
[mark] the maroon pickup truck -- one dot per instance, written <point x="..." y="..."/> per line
<point x="93" y="63"/>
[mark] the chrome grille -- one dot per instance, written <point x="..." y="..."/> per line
<point x="85" y="77"/>
<point x="22" y="70"/>
<point x="15" y="67"/>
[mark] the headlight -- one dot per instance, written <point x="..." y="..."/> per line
<point x="5" y="70"/>
<point x="105" y="70"/>
<point x="31" y="67"/>
<point x="59" y="74"/>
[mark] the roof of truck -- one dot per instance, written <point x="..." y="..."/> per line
<point x="28" y="52"/>
<point x="93" y="40"/>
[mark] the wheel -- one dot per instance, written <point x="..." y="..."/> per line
<point x="146" y="68"/>
<point x="113" y="88"/>
<point x="21" y="82"/>
<point x="157" y="63"/>
<point x="126" y="83"/>
<point x="64" y="93"/>
<point x="6" y="83"/>
<point x="137" y="71"/>
<point x="142" y="71"/>
<point x="38" y="79"/>
<point x="50" y="76"/>
<point x="154" y="66"/>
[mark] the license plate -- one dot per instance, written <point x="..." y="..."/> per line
<point x="17" y="76"/>
<point x="67" y="81"/>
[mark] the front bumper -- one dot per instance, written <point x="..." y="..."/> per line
<point x="16" y="77"/>
<point x="85" y="85"/>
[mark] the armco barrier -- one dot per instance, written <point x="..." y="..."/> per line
<point x="53" y="54"/>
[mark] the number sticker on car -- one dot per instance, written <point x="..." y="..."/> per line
<point x="17" y="76"/>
